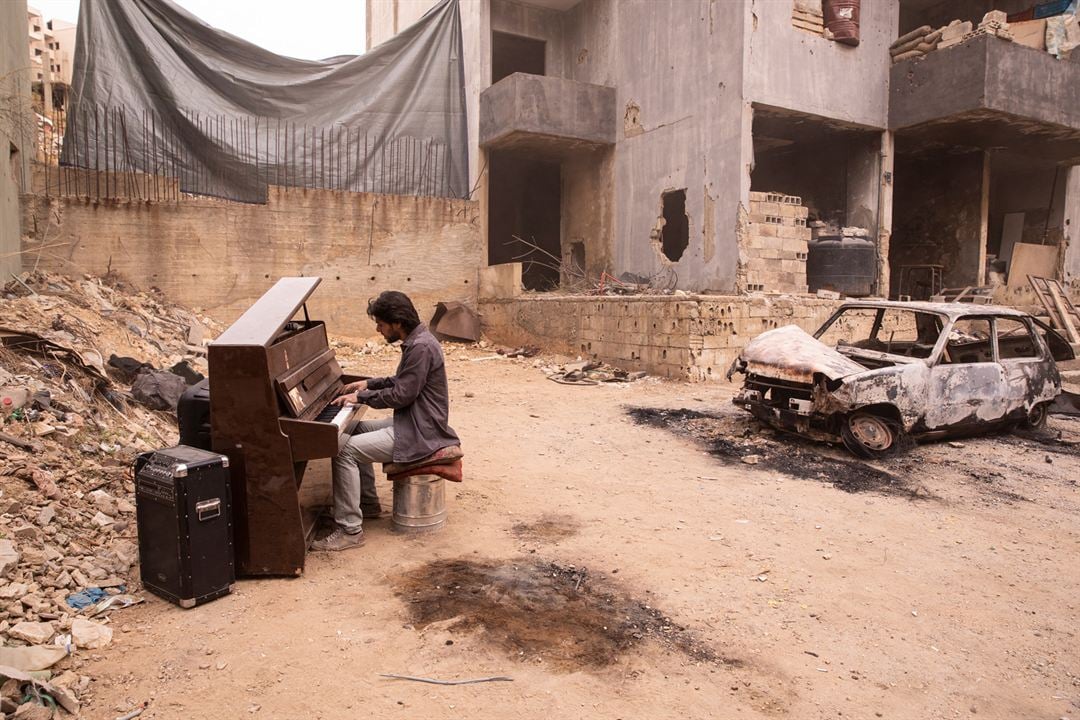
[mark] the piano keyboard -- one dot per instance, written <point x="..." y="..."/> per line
<point x="335" y="414"/>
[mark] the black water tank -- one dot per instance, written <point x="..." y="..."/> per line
<point x="847" y="265"/>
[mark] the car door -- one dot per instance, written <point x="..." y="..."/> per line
<point x="1024" y="361"/>
<point x="966" y="381"/>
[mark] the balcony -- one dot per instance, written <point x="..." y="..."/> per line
<point x="546" y="114"/>
<point x="989" y="93"/>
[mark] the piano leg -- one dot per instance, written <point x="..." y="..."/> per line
<point x="315" y="492"/>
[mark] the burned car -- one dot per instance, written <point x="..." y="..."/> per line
<point x="879" y="372"/>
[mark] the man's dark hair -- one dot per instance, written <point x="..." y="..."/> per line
<point x="394" y="307"/>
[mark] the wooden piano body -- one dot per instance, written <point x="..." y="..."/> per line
<point x="270" y="379"/>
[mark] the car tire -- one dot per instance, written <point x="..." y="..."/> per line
<point x="870" y="435"/>
<point x="1036" y="417"/>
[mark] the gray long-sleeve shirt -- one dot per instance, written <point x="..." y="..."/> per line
<point x="419" y="395"/>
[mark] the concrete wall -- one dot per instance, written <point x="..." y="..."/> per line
<point x="791" y="69"/>
<point x="15" y="140"/>
<point x="682" y="129"/>
<point x="687" y="338"/>
<point x="221" y="256"/>
<point x="1071" y="223"/>
<point x="386" y="18"/>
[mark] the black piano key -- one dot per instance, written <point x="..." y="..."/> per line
<point x="328" y="413"/>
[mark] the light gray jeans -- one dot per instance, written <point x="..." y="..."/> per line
<point x="354" y="478"/>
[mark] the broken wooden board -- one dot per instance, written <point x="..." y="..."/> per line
<point x="1031" y="259"/>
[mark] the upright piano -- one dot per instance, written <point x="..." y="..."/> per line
<point x="272" y="377"/>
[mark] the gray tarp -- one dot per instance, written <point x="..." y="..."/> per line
<point x="156" y="90"/>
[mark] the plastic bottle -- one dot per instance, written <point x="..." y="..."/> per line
<point x="12" y="399"/>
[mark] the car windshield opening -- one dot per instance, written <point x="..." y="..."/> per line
<point x="893" y="331"/>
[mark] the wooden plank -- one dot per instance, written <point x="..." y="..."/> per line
<point x="1066" y="318"/>
<point x="1031" y="259"/>
<point x="1012" y="232"/>
<point x="1039" y="285"/>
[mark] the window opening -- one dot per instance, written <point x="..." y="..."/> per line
<point x="513" y="53"/>
<point x="969" y="342"/>
<point x="1015" y="340"/>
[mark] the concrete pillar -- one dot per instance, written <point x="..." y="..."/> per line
<point x="1071" y="231"/>
<point x="885" y="210"/>
<point x="984" y="220"/>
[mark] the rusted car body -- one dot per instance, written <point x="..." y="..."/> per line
<point x="877" y="372"/>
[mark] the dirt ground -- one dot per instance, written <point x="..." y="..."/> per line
<point x="616" y="563"/>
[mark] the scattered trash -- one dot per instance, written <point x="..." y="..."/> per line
<point x="31" y="658"/>
<point x="134" y="713"/>
<point x="54" y="692"/>
<point x="114" y="602"/>
<point x="496" y="678"/>
<point x="527" y="351"/>
<point x="590" y="373"/>
<point x="455" y="320"/>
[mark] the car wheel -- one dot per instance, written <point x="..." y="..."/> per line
<point x="869" y="435"/>
<point x="1036" y="417"/>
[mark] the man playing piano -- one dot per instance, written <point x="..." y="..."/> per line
<point x="420" y="398"/>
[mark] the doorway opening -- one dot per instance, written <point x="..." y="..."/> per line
<point x="515" y="54"/>
<point x="524" y="216"/>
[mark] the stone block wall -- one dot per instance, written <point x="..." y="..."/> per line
<point x="774" y="246"/>
<point x="221" y="256"/>
<point x="692" y="337"/>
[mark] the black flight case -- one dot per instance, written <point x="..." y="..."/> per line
<point x="184" y="517"/>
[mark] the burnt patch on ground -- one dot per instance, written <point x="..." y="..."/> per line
<point x="569" y="618"/>
<point x="1048" y="438"/>
<point x="742" y="439"/>
<point x="547" y="528"/>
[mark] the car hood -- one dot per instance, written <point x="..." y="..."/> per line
<point x="789" y="353"/>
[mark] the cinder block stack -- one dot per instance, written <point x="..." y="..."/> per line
<point x="775" y="252"/>
<point x="806" y="15"/>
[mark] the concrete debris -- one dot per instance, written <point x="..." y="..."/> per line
<point x="66" y="493"/>
<point x="35" y="633"/>
<point x="90" y="635"/>
<point x="158" y="390"/>
<point x="9" y="557"/>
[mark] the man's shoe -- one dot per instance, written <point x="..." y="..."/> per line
<point x="337" y="541"/>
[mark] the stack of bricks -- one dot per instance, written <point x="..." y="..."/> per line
<point x="806" y="15"/>
<point x="775" y="246"/>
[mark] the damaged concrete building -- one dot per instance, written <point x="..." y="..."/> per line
<point x="726" y="158"/>
<point x="701" y="145"/>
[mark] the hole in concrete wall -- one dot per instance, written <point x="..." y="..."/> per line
<point x="524" y="216"/>
<point x="513" y="53"/>
<point x="675" y="237"/>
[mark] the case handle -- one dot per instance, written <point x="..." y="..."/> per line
<point x="208" y="509"/>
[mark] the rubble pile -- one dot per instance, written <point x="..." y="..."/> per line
<point x="70" y="427"/>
